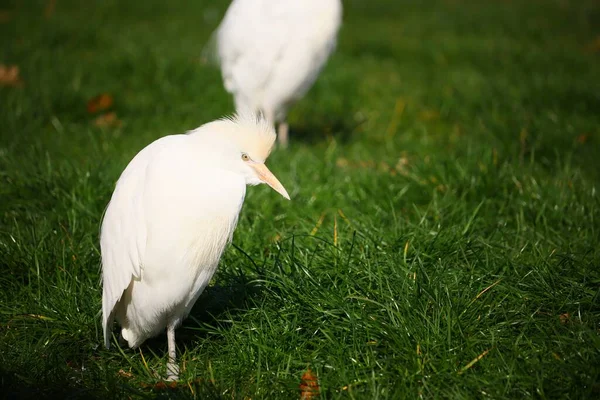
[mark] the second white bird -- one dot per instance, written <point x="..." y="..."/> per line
<point x="271" y="52"/>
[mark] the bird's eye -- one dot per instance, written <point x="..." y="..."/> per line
<point x="245" y="157"/>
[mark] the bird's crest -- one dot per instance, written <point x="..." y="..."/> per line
<point x="252" y="132"/>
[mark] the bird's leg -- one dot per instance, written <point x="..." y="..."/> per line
<point x="172" y="366"/>
<point x="282" y="134"/>
<point x="282" y="131"/>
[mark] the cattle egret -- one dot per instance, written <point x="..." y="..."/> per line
<point x="271" y="52"/>
<point x="173" y="211"/>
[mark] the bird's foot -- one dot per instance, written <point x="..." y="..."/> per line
<point x="172" y="371"/>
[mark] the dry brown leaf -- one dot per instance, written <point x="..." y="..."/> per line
<point x="107" y="120"/>
<point x="99" y="103"/>
<point x="49" y="10"/>
<point x="125" y="374"/>
<point x="583" y="138"/>
<point x="309" y="385"/>
<point x="594" y="46"/>
<point x="9" y="76"/>
<point x="162" y="385"/>
<point x="5" y="16"/>
<point x="402" y="166"/>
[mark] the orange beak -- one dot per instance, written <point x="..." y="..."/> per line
<point x="267" y="177"/>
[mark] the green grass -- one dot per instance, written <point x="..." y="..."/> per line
<point x="450" y="150"/>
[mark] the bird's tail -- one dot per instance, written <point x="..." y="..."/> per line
<point x="107" y="322"/>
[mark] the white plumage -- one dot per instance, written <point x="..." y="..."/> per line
<point x="173" y="211"/>
<point x="271" y="52"/>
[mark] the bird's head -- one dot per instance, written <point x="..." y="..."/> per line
<point x="241" y="144"/>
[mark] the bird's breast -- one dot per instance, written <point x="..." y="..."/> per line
<point x="191" y="214"/>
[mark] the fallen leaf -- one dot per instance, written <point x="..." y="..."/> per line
<point x="107" y="120"/>
<point x="49" y="10"/>
<point x="594" y="46"/>
<point x="99" y="103"/>
<point x="125" y="374"/>
<point x="5" y="16"/>
<point x="402" y="166"/>
<point x="162" y="385"/>
<point x="309" y="385"/>
<point x="9" y="76"/>
<point x="583" y="138"/>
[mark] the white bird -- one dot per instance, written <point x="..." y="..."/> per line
<point x="173" y="211"/>
<point x="271" y="52"/>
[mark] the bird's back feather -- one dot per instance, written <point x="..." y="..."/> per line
<point x="123" y="236"/>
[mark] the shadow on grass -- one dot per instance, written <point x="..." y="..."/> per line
<point x="64" y="381"/>
<point x="313" y="131"/>
<point x="206" y="315"/>
<point x="15" y="386"/>
<point x="328" y="109"/>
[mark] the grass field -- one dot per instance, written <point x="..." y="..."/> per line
<point x="443" y="235"/>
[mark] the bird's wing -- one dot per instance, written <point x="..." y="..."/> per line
<point x="247" y="48"/>
<point x="123" y="237"/>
